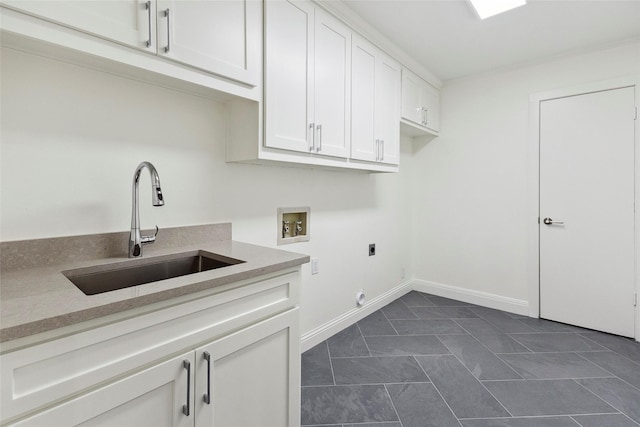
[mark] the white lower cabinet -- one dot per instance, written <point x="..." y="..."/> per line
<point x="244" y="379"/>
<point x="231" y="359"/>
<point x="153" y="397"/>
<point x="247" y="378"/>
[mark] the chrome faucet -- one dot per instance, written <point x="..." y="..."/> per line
<point x="135" y="239"/>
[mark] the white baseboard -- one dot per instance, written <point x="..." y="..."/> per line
<point x="322" y="332"/>
<point x="484" y="299"/>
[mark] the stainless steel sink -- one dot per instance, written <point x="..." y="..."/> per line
<point x="96" y="280"/>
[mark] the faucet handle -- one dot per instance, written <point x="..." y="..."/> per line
<point x="149" y="239"/>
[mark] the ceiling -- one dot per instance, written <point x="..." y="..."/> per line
<point x="448" y="38"/>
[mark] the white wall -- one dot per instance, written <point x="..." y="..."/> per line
<point x="72" y="137"/>
<point x="472" y="200"/>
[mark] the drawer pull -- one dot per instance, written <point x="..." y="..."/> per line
<point x="167" y="14"/>
<point x="147" y="6"/>
<point x="185" y="408"/>
<point x="207" y="395"/>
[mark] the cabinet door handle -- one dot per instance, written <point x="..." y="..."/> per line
<point x="185" y="408"/>
<point x="426" y="116"/>
<point x="319" y="128"/>
<point x="377" y="150"/>
<point x="381" y="149"/>
<point x="312" y="139"/>
<point x="147" y="6"/>
<point x="167" y="48"/>
<point x="207" y="395"/>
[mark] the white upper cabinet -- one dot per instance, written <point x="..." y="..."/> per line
<point x="375" y="104"/>
<point x="131" y="22"/>
<point x="420" y="102"/>
<point x="388" y="109"/>
<point x="364" y="138"/>
<point x="307" y="80"/>
<point x="221" y="37"/>
<point x="332" y="64"/>
<point x="288" y="75"/>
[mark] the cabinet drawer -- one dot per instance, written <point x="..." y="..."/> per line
<point x="55" y="370"/>
<point x="152" y="397"/>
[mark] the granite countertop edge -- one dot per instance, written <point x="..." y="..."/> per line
<point x="34" y="301"/>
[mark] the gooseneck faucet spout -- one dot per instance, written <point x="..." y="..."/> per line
<point x="135" y="239"/>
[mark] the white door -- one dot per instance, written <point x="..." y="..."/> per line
<point x="587" y="210"/>
<point x="363" y="101"/>
<point x="388" y="109"/>
<point x="430" y="97"/>
<point x="411" y="102"/>
<point x="251" y="377"/>
<point x="154" y="397"/>
<point x="332" y="78"/>
<point x="219" y="36"/>
<point x="288" y="75"/>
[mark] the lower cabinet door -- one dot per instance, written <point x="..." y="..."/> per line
<point x="155" y="397"/>
<point x="251" y="377"/>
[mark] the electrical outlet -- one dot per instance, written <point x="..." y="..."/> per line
<point x="315" y="265"/>
<point x="372" y="249"/>
<point x="403" y="273"/>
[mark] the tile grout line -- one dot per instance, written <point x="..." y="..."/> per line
<point x="480" y="382"/>
<point x="369" y="384"/>
<point x="393" y="405"/>
<point x="497" y="357"/>
<point x="390" y="323"/>
<point x="392" y="355"/>
<point x="333" y="375"/>
<point x="609" y="348"/>
<point x="598" y="397"/>
<point x="438" y="391"/>
<point x="548" y="379"/>
<point x="607" y="370"/>
<point x="364" y="340"/>
<point x="604" y="413"/>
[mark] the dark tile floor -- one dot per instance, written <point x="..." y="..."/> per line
<point x="428" y="361"/>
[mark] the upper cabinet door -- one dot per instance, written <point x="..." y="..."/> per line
<point x="375" y="104"/>
<point x="411" y="103"/>
<point x="420" y="102"/>
<point x="388" y="109"/>
<point x="289" y="75"/>
<point x="131" y="22"/>
<point x="364" y="141"/>
<point x="221" y="36"/>
<point x="331" y="93"/>
<point x="431" y="101"/>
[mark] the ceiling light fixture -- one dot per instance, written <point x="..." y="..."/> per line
<point x="488" y="8"/>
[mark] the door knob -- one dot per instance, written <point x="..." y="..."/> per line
<point x="550" y="221"/>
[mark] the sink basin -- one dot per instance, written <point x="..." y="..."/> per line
<point x="99" y="279"/>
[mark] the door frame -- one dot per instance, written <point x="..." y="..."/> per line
<point x="533" y="182"/>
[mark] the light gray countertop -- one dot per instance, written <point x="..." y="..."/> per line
<point x="39" y="299"/>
